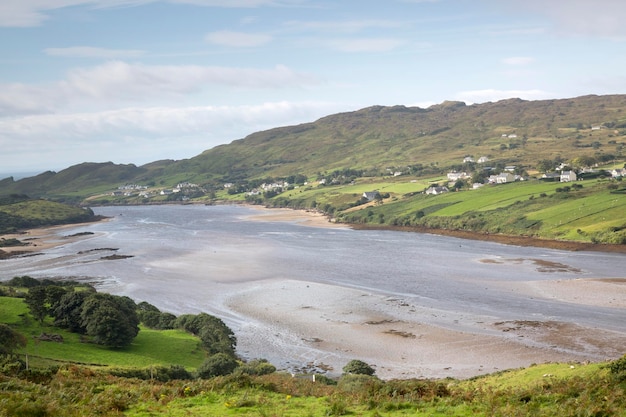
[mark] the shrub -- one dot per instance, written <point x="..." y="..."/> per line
<point x="256" y="367"/>
<point x="358" y="367"/>
<point x="219" y="364"/>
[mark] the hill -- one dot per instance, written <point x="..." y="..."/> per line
<point x="513" y="132"/>
<point x="331" y="164"/>
<point x="19" y="211"/>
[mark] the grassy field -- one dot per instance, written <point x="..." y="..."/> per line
<point x="149" y="348"/>
<point x="542" y="390"/>
<point x="77" y="379"/>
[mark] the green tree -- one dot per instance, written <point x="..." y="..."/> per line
<point x="111" y="320"/>
<point x="217" y="365"/>
<point x="358" y="367"/>
<point x="67" y="313"/>
<point x="36" y="299"/>
<point x="10" y="340"/>
<point x="215" y="335"/>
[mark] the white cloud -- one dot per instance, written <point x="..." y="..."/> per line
<point x="603" y="18"/>
<point x="132" y="134"/>
<point x="118" y="81"/>
<point x="487" y="95"/>
<point x="365" y="44"/>
<point x="93" y="52"/>
<point x="26" y="13"/>
<point x="237" y="39"/>
<point x="343" y="26"/>
<point x="518" y="60"/>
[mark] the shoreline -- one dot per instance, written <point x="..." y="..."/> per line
<point x="322" y="220"/>
<point x="41" y="238"/>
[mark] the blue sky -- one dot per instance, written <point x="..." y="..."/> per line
<point x="134" y="81"/>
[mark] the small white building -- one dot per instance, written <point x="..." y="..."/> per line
<point x="454" y="176"/>
<point x="435" y="190"/>
<point x="568" y="176"/>
<point x="483" y="159"/>
<point x="505" y="177"/>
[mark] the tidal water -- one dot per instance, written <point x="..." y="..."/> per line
<point x="189" y="258"/>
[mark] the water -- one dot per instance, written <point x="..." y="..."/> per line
<point x="192" y="258"/>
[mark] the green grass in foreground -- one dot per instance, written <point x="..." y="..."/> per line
<point x="542" y="390"/>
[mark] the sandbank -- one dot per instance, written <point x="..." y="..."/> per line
<point x="42" y="238"/>
<point x="331" y="324"/>
<point x="305" y="217"/>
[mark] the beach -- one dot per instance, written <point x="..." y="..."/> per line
<point x="302" y="325"/>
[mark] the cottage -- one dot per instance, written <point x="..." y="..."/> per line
<point x="483" y="159"/>
<point x="455" y="176"/>
<point x="468" y="159"/>
<point x="568" y="176"/>
<point x="434" y="190"/>
<point x="370" y="195"/>
<point x="619" y="172"/>
<point x="505" y="177"/>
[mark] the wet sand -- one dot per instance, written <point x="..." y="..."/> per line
<point x="41" y="238"/>
<point x="338" y="324"/>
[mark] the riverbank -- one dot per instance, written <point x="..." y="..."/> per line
<point x="318" y="219"/>
<point x="503" y="239"/>
<point x="41" y="238"/>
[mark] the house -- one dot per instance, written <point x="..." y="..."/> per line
<point x="454" y="176"/>
<point x="505" y="177"/>
<point x="468" y="159"/>
<point x="568" y="176"/>
<point x="482" y="159"/>
<point x="619" y="172"/>
<point x="510" y="168"/>
<point x="370" y="195"/>
<point x="435" y="189"/>
<point x="551" y="176"/>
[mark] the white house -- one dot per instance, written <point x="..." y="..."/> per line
<point x="567" y="176"/>
<point x="505" y="177"/>
<point x="482" y="159"/>
<point x="619" y="172"/>
<point x="468" y="159"/>
<point x="434" y="190"/>
<point x="371" y="195"/>
<point x="454" y="176"/>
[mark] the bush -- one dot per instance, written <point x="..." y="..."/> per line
<point x="358" y="367"/>
<point x="219" y="364"/>
<point x="256" y="367"/>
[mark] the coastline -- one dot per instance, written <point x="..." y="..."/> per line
<point x="323" y="326"/>
<point x="318" y="219"/>
<point x="41" y="238"/>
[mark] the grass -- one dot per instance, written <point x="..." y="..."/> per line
<point x="149" y="348"/>
<point x="541" y="390"/>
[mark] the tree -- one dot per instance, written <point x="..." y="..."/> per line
<point x="36" y="301"/>
<point x="215" y="335"/>
<point x="111" y="320"/>
<point x="358" y="367"/>
<point x="67" y="313"/>
<point x="217" y="365"/>
<point x="10" y="340"/>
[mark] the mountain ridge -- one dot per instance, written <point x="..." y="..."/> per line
<point x="374" y="138"/>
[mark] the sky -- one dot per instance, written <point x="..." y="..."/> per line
<point x="135" y="81"/>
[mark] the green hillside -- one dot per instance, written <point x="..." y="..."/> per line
<point x="399" y="151"/>
<point x="20" y="212"/>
